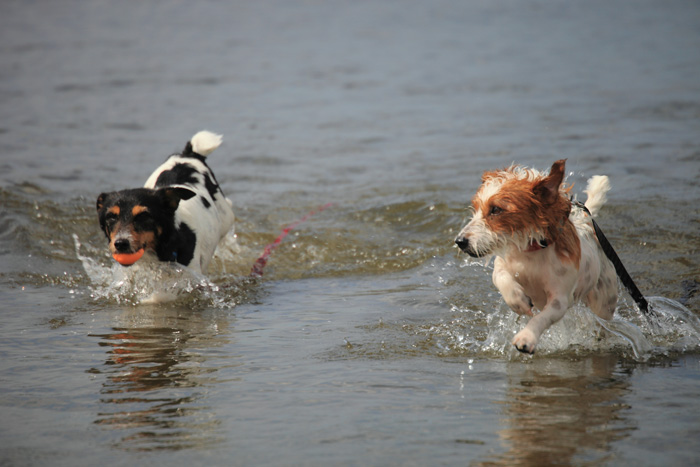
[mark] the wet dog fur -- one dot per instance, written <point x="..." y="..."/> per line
<point x="546" y="252"/>
<point x="180" y="215"/>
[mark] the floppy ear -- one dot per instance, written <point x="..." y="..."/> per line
<point x="101" y="200"/>
<point x="172" y="196"/>
<point x="547" y="189"/>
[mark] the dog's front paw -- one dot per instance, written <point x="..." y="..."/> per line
<point x="525" y="341"/>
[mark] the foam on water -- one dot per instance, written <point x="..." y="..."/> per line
<point x="151" y="282"/>
<point x="673" y="329"/>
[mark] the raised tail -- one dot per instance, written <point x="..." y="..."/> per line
<point x="203" y="143"/>
<point x="598" y="186"/>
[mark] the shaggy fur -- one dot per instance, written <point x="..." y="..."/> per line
<point x="547" y="253"/>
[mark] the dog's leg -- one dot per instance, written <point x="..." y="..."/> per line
<point x="526" y="340"/>
<point x="602" y="299"/>
<point x="512" y="292"/>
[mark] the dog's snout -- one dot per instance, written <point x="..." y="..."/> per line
<point x="462" y="242"/>
<point x="122" y="245"/>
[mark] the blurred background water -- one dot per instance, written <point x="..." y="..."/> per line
<point x="369" y="339"/>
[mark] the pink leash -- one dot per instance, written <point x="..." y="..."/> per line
<point x="257" y="270"/>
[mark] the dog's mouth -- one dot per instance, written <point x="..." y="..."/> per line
<point x="468" y="247"/>
<point x="476" y="254"/>
<point x="127" y="259"/>
<point x="125" y="253"/>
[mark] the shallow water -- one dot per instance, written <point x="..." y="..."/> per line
<point x="369" y="339"/>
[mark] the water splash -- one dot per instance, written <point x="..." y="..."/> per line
<point x="674" y="329"/>
<point x="150" y="281"/>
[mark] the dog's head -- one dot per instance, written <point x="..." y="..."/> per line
<point x="137" y="220"/>
<point x="515" y="207"/>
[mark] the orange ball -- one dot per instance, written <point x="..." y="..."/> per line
<point x="127" y="259"/>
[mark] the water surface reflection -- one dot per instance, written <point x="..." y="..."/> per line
<point x="160" y="366"/>
<point x="562" y="412"/>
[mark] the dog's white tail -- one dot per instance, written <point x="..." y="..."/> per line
<point x="205" y="142"/>
<point x="598" y="186"/>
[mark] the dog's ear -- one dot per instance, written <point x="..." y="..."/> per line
<point x="101" y="200"/>
<point x="172" y="196"/>
<point x="547" y="189"/>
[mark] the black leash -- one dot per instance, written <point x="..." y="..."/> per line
<point x="622" y="273"/>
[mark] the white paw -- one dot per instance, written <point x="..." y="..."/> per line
<point x="525" y="341"/>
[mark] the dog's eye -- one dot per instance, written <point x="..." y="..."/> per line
<point x="142" y="217"/>
<point x="143" y="221"/>
<point x="111" y="219"/>
<point x="495" y="210"/>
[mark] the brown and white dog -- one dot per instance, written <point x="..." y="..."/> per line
<point x="547" y="252"/>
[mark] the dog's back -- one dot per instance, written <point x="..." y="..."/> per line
<point x="208" y="214"/>
<point x="597" y="286"/>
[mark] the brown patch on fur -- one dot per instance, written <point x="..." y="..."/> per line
<point x="138" y="240"/>
<point x="558" y="207"/>
<point x="145" y="239"/>
<point x="491" y="174"/>
<point x="112" y="234"/>
<point x="114" y="210"/>
<point x="568" y="245"/>
<point x="527" y="205"/>
<point x="136" y="210"/>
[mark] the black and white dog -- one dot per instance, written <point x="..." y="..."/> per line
<point x="180" y="215"/>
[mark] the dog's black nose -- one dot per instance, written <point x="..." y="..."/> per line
<point x="462" y="243"/>
<point x="122" y="245"/>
